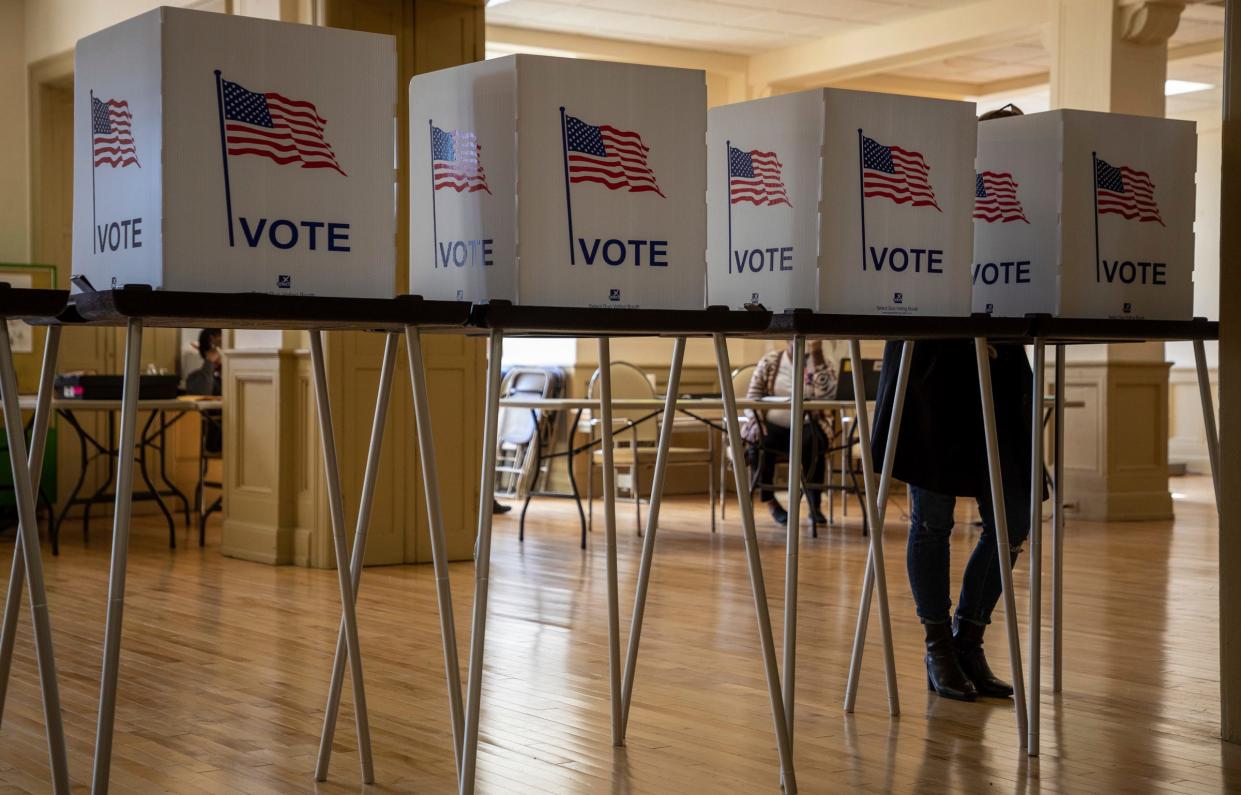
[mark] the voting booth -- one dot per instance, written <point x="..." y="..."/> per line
<point x="559" y="182"/>
<point x="1086" y="215"/>
<point x="841" y="202"/>
<point x="221" y="153"/>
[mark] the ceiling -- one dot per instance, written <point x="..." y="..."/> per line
<point x="740" y="27"/>
<point x="746" y="27"/>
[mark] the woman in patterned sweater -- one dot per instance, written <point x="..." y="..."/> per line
<point x="768" y="430"/>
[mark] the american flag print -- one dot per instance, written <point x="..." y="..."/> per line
<point x="616" y="159"/>
<point x="995" y="198"/>
<point x="288" y="131"/>
<point x="755" y="176"/>
<point x="456" y="161"/>
<point x="901" y="175"/>
<point x="112" y="133"/>
<point x="1125" y="191"/>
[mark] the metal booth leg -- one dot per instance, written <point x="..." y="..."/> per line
<point x="38" y="441"/>
<point x="757" y="584"/>
<point x="648" y="541"/>
<point x="1057" y="528"/>
<point x="1208" y="413"/>
<point x="1000" y="517"/>
<point x="876" y="506"/>
<point x="797" y="422"/>
<point x="359" y="553"/>
<point x="27" y="555"/>
<point x="482" y="565"/>
<point x="331" y="472"/>
<point x="120" y="557"/>
<point x="1036" y="547"/>
<point x="609" y="533"/>
<point x="435" y="524"/>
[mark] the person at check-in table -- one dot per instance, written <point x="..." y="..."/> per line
<point x="206" y="379"/>
<point x="768" y="430"/>
<point x="942" y="455"/>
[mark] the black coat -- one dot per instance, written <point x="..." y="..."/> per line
<point x="942" y="446"/>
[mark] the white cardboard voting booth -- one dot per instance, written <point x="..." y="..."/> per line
<point x="1083" y="214"/>
<point x="222" y="153"/>
<point x="559" y="182"/>
<point x="842" y="202"/>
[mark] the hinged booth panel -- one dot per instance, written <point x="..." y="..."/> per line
<point x="842" y="202"/>
<point x="606" y="207"/>
<point x="229" y="154"/>
<point x="1085" y="215"/>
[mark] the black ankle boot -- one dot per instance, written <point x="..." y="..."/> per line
<point x="779" y="514"/>
<point x="968" y="641"/>
<point x="943" y="671"/>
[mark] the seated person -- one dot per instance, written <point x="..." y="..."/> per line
<point x="206" y="379"/>
<point x="769" y="430"/>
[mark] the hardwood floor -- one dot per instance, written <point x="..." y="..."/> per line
<point x="225" y="664"/>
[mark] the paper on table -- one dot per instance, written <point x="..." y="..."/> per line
<point x="21" y="336"/>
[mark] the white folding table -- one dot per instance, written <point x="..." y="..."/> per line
<point x="27" y="556"/>
<point x="499" y="319"/>
<point x="799" y="326"/>
<point x="139" y="306"/>
<point x="1060" y="333"/>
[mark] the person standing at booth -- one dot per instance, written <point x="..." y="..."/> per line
<point x="767" y="432"/>
<point x="942" y="455"/>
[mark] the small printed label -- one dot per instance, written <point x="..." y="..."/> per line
<point x="614" y="294"/>
<point x="284" y="281"/>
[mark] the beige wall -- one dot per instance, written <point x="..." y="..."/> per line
<point x="53" y="26"/>
<point x="14" y="172"/>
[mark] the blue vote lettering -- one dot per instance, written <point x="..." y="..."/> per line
<point x="462" y="253"/>
<point x="119" y="235"/>
<point x="899" y="260"/>
<point x="1129" y="272"/>
<point x="757" y="260"/>
<point x="617" y="252"/>
<point x="285" y="234"/>
<point x="1014" y="272"/>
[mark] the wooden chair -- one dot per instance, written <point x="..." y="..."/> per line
<point x="635" y="444"/>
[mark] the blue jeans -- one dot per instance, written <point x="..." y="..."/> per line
<point x="928" y="554"/>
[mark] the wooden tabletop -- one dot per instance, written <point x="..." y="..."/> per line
<point x="184" y="403"/>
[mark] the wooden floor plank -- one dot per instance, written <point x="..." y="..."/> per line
<point x="224" y="668"/>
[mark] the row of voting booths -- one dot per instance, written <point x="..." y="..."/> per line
<point x="238" y="172"/>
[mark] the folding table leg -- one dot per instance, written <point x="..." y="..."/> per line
<point x="359" y="553"/>
<point x="757" y="584"/>
<point x="435" y="524"/>
<point x="482" y="565"/>
<point x="1057" y="527"/>
<point x="1036" y="547"/>
<point x="38" y="441"/>
<point x="1208" y="413"/>
<point x="609" y="534"/>
<point x="652" y="522"/>
<point x="876" y="506"/>
<point x="120" y="557"/>
<point x="1000" y="517"/>
<point x="797" y="422"/>
<point x="28" y="545"/>
<point x="336" y="510"/>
